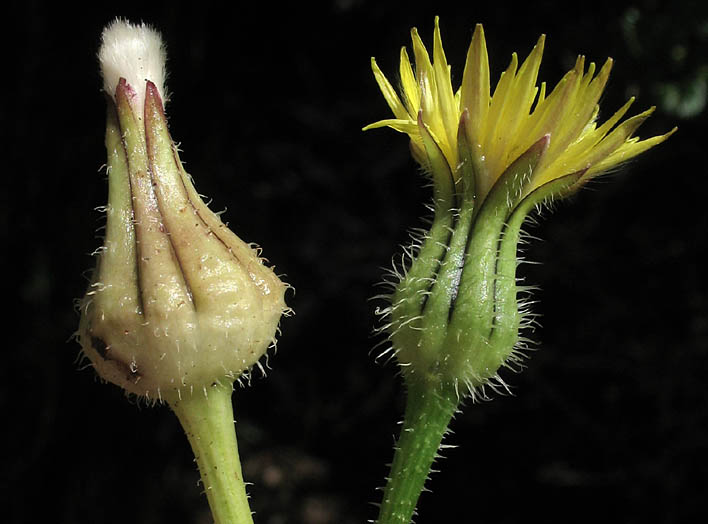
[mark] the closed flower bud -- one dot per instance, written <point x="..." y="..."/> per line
<point x="177" y="300"/>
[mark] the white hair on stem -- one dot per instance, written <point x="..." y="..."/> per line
<point x="134" y="52"/>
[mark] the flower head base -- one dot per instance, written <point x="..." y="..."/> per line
<point x="493" y="157"/>
<point x="177" y="300"/>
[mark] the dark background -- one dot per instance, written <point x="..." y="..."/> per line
<point x="609" y="423"/>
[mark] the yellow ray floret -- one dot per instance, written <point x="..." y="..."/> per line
<point x="505" y="123"/>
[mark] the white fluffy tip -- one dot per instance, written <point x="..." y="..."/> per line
<point x="133" y="52"/>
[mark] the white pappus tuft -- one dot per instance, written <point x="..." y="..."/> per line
<point x="134" y="52"/>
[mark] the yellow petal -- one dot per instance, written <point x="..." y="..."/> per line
<point x="423" y="66"/>
<point x="616" y="138"/>
<point x="402" y="125"/>
<point x="628" y="151"/>
<point x="593" y="135"/>
<point x="565" y="122"/>
<point x="474" y="93"/>
<point x="495" y="127"/>
<point x="585" y="104"/>
<point x="446" y="97"/>
<point x="388" y="92"/>
<point x="612" y="121"/>
<point x="516" y="110"/>
<point x="525" y="85"/>
<point x="409" y="85"/>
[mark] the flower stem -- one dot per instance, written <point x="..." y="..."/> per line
<point x="208" y="421"/>
<point x="429" y="410"/>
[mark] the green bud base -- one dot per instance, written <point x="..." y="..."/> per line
<point x="208" y="420"/>
<point x="429" y="410"/>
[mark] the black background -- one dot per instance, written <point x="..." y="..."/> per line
<point x="609" y="422"/>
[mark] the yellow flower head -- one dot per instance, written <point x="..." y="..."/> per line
<point x="504" y="124"/>
<point x="455" y="311"/>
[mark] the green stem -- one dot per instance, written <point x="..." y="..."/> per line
<point x="429" y="410"/>
<point x="208" y="420"/>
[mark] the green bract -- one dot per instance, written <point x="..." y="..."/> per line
<point x="454" y="316"/>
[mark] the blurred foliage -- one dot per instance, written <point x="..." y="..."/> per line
<point x="671" y="51"/>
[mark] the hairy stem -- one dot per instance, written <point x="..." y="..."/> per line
<point x="429" y="410"/>
<point x="208" y="421"/>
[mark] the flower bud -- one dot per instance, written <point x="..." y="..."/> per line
<point x="177" y="300"/>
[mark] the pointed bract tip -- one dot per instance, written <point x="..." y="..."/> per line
<point x="152" y="96"/>
<point x="539" y="147"/>
<point x="124" y="90"/>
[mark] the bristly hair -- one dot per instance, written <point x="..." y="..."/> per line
<point x="134" y="52"/>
